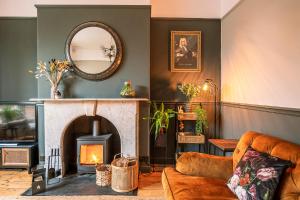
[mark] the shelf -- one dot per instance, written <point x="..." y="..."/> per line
<point x="190" y="138"/>
<point x="187" y="116"/>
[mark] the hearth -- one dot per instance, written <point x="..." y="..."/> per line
<point x="93" y="149"/>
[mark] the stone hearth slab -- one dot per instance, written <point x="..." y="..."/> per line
<point x="78" y="185"/>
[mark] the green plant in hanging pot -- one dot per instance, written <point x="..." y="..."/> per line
<point x="201" y="121"/>
<point x="159" y="120"/>
<point x="190" y="90"/>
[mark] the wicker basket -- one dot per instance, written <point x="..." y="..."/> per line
<point x="190" y="138"/>
<point x="103" y="175"/>
<point x="124" y="174"/>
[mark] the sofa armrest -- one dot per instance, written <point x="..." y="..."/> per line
<point x="205" y="165"/>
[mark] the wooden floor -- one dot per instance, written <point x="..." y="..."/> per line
<point x="14" y="182"/>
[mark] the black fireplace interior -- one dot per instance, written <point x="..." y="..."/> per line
<point x="81" y="129"/>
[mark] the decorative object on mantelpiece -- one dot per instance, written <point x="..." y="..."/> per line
<point x="95" y="50"/>
<point x="211" y="87"/>
<point x="103" y="175"/>
<point x="124" y="173"/>
<point x="190" y="90"/>
<point x="54" y="73"/>
<point x="201" y="121"/>
<point x="127" y="90"/>
<point x="185" y="51"/>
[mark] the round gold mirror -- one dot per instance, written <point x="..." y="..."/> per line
<point x="95" y="50"/>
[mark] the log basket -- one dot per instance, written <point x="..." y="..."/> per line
<point x="124" y="173"/>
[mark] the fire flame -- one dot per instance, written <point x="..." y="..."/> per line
<point x="94" y="158"/>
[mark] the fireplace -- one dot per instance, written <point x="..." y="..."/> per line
<point x="122" y="117"/>
<point x="92" y="150"/>
<point x="87" y="141"/>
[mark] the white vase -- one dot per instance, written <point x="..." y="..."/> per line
<point x="53" y="93"/>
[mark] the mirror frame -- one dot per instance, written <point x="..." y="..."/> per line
<point x="113" y="67"/>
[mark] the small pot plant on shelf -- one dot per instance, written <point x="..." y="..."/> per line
<point x="159" y="120"/>
<point x="201" y="120"/>
<point x="190" y="90"/>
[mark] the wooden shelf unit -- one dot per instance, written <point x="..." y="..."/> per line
<point x="187" y="116"/>
<point x="190" y="138"/>
<point x="187" y="137"/>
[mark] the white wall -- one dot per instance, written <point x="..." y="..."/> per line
<point x="17" y="8"/>
<point x="160" y="8"/>
<point x="261" y="53"/>
<point x="186" y="9"/>
<point x="227" y="5"/>
<point x="26" y="8"/>
<point x="94" y="2"/>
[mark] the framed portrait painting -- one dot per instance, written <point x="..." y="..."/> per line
<point x="185" y="51"/>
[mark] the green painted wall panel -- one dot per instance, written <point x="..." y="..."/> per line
<point x="131" y="23"/>
<point x="18" y="41"/>
<point x="163" y="81"/>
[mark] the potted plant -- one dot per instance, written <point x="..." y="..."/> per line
<point x="10" y="113"/>
<point x="54" y="73"/>
<point x="159" y="119"/>
<point x="190" y="90"/>
<point x="127" y="90"/>
<point x="201" y="121"/>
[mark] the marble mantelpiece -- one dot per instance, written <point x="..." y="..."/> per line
<point x="122" y="113"/>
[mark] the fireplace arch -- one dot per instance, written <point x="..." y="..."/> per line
<point x="123" y="113"/>
<point x="83" y="126"/>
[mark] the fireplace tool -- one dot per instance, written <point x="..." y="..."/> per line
<point x="53" y="164"/>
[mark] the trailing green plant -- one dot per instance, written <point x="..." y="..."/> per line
<point x="190" y="90"/>
<point x="160" y="118"/>
<point x="9" y="113"/>
<point x="201" y="121"/>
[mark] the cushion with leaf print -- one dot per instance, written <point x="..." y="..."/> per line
<point x="257" y="176"/>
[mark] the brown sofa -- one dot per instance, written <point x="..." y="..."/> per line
<point x="202" y="176"/>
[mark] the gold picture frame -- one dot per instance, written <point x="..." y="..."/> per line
<point x="185" y="51"/>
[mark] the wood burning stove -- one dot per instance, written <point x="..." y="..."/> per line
<point x="93" y="149"/>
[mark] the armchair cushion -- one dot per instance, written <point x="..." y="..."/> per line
<point x="257" y="175"/>
<point x="204" y="165"/>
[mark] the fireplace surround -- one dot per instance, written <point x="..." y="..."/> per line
<point x="122" y="113"/>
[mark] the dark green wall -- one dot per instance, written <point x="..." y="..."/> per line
<point x="279" y="122"/>
<point x="132" y="23"/>
<point x="163" y="81"/>
<point x="18" y="40"/>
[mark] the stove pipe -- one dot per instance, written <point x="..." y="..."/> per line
<point x="96" y="128"/>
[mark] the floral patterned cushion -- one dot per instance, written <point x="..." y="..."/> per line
<point x="257" y="175"/>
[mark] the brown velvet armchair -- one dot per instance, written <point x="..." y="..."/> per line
<point x="202" y="176"/>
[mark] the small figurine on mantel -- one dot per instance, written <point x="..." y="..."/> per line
<point x="127" y="90"/>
